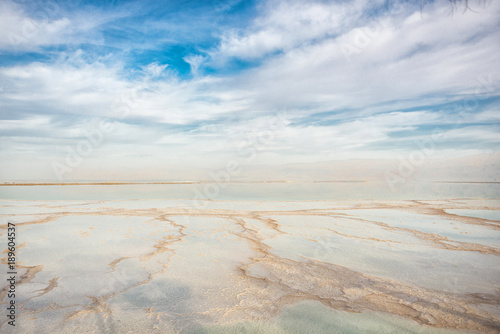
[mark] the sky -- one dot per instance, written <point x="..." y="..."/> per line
<point x="162" y="89"/>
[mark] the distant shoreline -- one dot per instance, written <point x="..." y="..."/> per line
<point x="27" y="184"/>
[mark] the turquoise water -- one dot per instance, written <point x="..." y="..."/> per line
<point x="313" y="317"/>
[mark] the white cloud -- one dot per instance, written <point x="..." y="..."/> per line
<point x="48" y="24"/>
<point x="473" y="134"/>
<point x="195" y="61"/>
<point x="285" y="25"/>
<point x="406" y="60"/>
<point x="19" y="124"/>
<point x="22" y="32"/>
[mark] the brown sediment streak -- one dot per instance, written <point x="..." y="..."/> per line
<point x="161" y="246"/>
<point x="437" y="240"/>
<point x="419" y="207"/>
<point x="445" y="243"/>
<point x="357" y="237"/>
<point x="114" y="263"/>
<point x="431" y="209"/>
<point x="52" y="284"/>
<point x="273" y="224"/>
<point x="415" y="206"/>
<point x="470" y="220"/>
<point x="93" y="183"/>
<point x="84" y="234"/>
<point x="24" y="244"/>
<point x="30" y="312"/>
<point x="156" y="315"/>
<point x="100" y="305"/>
<point x="33" y="222"/>
<point x="287" y="281"/>
<point x="30" y="274"/>
<point x="411" y="206"/>
<point x="25" y="278"/>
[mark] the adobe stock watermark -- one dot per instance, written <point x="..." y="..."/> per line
<point x="361" y="38"/>
<point x="408" y="165"/>
<point x="75" y="154"/>
<point x="31" y="27"/>
<point x="94" y="137"/>
<point x="248" y="151"/>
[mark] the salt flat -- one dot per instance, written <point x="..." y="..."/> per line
<point x="167" y="266"/>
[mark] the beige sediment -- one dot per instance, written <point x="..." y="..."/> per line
<point x="357" y="237"/>
<point x="437" y="240"/>
<point x="43" y="220"/>
<point x="50" y="287"/>
<point x="115" y="262"/>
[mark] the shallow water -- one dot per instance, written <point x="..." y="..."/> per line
<point x="313" y="317"/>
<point x="260" y="191"/>
<point x="485" y="214"/>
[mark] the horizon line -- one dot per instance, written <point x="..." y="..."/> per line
<point x="116" y="183"/>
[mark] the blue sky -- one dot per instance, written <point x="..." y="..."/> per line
<point x="184" y="85"/>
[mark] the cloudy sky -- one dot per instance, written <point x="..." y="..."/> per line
<point x="137" y="89"/>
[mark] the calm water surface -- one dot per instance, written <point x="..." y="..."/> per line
<point x="258" y="191"/>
